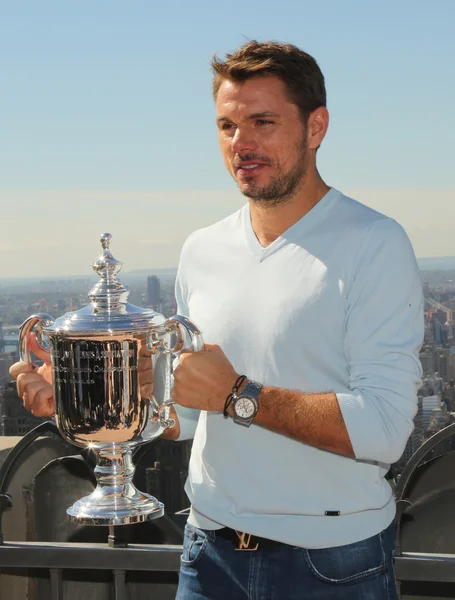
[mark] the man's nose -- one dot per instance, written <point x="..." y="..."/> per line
<point x="243" y="141"/>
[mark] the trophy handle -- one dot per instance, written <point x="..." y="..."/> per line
<point x="189" y="339"/>
<point x="37" y="321"/>
<point x="189" y="336"/>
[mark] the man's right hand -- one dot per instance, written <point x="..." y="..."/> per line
<point x="34" y="384"/>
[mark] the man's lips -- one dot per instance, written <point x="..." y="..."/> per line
<point x="249" y="168"/>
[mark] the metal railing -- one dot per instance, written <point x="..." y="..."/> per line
<point x="428" y="567"/>
<point x="55" y="557"/>
<point x="116" y="556"/>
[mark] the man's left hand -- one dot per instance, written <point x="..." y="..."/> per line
<point x="203" y="380"/>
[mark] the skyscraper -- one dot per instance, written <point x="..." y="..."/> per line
<point x="154" y="292"/>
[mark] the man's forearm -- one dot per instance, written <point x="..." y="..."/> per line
<point x="314" y="419"/>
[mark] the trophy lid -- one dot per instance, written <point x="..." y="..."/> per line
<point x="109" y="311"/>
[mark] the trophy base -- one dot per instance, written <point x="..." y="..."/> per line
<point x="115" y="500"/>
<point x="91" y="510"/>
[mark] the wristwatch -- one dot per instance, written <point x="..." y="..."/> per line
<point x="245" y="406"/>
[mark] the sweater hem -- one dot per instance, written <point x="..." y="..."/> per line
<point x="304" y="531"/>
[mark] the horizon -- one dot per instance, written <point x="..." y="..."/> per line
<point x="173" y="270"/>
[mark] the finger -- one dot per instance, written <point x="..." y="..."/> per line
<point x="212" y="348"/>
<point x="145" y="376"/>
<point x="144" y="350"/>
<point x="43" y="405"/>
<point x="24" y="379"/>
<point x="184" y="356"/>
<point x="31" y="391"/>
<point x="34" y="347"/>
<point x="147" y="390"/>
<point x="20" y="367"/>
<point x="144" y="363"/>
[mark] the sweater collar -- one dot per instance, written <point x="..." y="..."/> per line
<point x="294" y="232"/>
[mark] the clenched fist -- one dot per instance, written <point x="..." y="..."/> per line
<point x="203" y="380"/>
<point x="34" y="384"/>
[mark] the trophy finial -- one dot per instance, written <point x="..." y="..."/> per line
<point x="108" y="293"/>
<point x="106" y="241"/>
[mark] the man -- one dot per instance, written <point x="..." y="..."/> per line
<point x="316" y="300"/>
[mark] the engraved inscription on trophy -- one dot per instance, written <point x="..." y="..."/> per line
<point x="97" y="388"/>
<point x="96" y="363"/>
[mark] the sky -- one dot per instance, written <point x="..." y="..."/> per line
<point x="107" y="121"/>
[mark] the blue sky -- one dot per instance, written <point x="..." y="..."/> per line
<point x="107" y="121"/>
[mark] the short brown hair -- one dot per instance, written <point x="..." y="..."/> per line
<point x="298" y="70"/>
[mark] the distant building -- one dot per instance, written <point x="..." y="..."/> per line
<point x="61" y="306"/>
<point x="432" y="385"/>
<point x="429" y="333"/>
<point x="154" y="292"/>
<point x="441" y="363"/>
<point x="166" y="479"/>
<point x="429" y="403"/>
<point x="417" y="436"/>
<point x="415" y="440"/>
<point x="14" y="418"/>
<point x="439" y="319"/>
<point x="437" y="332"/>
<point x="6" y="360"/>
<point x="450" y="359"/>
<point x="448" y="395"/>
<point x="427" y="360"/>
<point x="440" y="418"/>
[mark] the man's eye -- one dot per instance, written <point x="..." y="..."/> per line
<point x="226" y="126"/>
<point x="264" y="122"/>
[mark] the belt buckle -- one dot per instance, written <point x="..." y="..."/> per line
<point x="245" y="542"/>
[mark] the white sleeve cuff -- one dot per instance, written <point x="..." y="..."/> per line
<point x="188" y="420"/>
<point x="373" y="438"/>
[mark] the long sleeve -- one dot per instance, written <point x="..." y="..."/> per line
<point x="384" y="332"/>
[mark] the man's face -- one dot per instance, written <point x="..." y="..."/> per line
<point x="262" y="138"/>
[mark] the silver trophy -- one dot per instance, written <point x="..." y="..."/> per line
<point x="104" y="357"/>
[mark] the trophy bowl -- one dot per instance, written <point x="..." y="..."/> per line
<point x="112" y="366"/>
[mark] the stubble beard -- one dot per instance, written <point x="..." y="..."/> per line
<point x="283" y="186"/>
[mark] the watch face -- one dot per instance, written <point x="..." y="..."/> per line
<point x="244" y="407"/>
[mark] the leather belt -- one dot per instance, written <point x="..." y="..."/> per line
<point x="246" y="541"/>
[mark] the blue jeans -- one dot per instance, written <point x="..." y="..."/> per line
<point x="211" y="569"/>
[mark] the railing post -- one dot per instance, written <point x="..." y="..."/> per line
<point x="120" y="585"/>
<point x="5" y="503"/>
<point x="56" y="584"/>
<point x="116" y="537"/>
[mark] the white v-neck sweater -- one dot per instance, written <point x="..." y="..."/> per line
<point x="334" y="304"/>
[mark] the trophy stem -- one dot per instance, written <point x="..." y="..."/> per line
<point x="115" y="501"/>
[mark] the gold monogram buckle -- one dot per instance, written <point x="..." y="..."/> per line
<point x="245" y="542"/>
